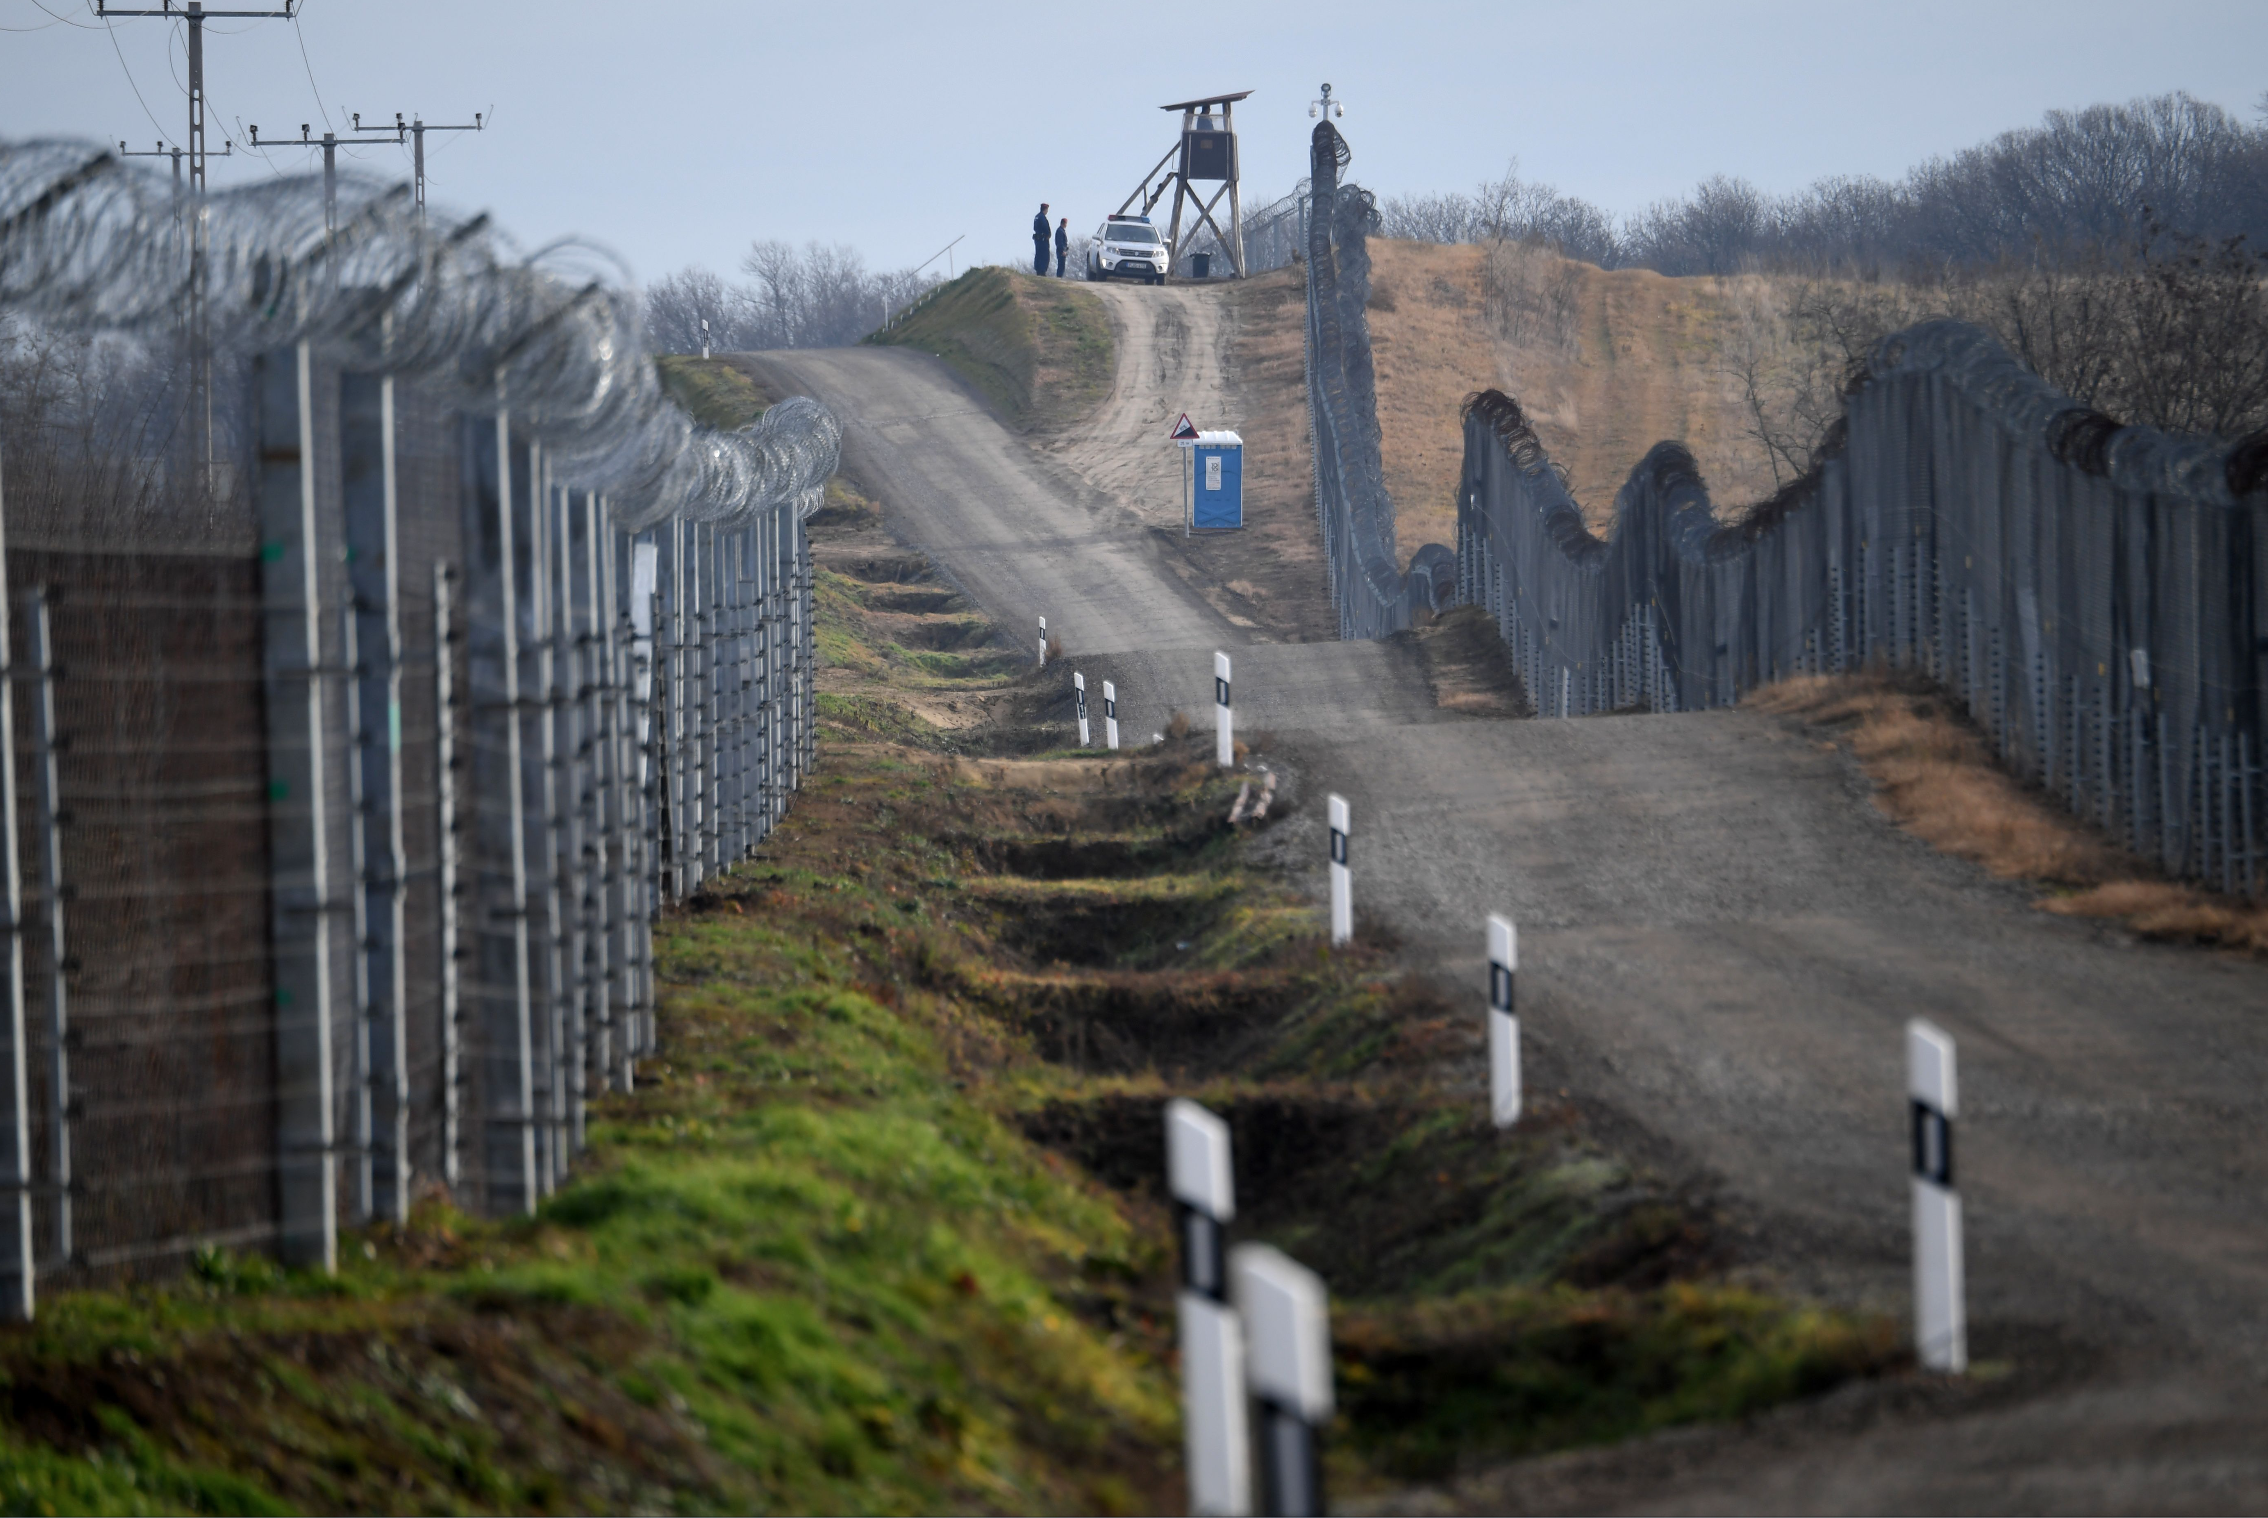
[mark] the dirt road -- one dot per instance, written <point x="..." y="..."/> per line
<point x="1172" y="358"/>
<point x="1721" y="942"/>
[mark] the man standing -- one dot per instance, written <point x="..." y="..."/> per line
<point x="1039" y="240"/>
<point x="1062" y="244"/>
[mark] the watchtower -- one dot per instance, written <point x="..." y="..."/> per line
<point x="1206" y="154"/>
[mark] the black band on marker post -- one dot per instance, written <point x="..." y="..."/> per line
<point x="1933" y="1145"/>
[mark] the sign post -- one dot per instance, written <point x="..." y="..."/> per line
<point x="1184" y="435"/>
<point x="1214" y="1429"/>
<point x="1342" y="880"/>
<point x="1110" y="715"/>
<point x="1941" y="1330"/>
<point x="1503" y="1023"/>
<point x="1079" y="695"/>
<point x="1287" y="1318"/>
<point x="1224" y="735"/>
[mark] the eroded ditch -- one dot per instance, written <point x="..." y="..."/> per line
<point x="1108" y="924"/>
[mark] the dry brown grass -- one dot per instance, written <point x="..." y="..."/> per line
<point x="1606" y="364"/>
<point x="1937" y="779"/>
<point x="1276" y="563"/>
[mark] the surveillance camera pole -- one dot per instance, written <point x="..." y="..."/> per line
<point x="200" y="334"/>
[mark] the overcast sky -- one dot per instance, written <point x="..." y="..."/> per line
<point x="676" y="133"/>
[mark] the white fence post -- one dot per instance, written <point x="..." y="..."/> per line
<point x="1503" y="1022"/>
<point x="1215" y="1436"/>
<point x="1224" y="720"/>
<point x="1941" y="1330"/>
<point x="1110" y="715"/>
<point x="1342" y="880"/>
<point x="1043" y="643"/>
<point x="1079" y="695"/>
<point x="1287" y="1320"/>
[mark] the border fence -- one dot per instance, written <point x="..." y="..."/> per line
<point x="2095" y="595"/>
<point x="347" y="769"/>
<point x="1356" y="515"/>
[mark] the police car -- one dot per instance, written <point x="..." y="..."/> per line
<point x="1127" y="247"/>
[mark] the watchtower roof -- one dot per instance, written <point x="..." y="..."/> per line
<point x="1191" y="105"/>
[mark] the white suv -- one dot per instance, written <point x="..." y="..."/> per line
<point x="1127" y="247"/>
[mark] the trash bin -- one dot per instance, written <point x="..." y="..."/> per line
<point x="1201" y="265"/>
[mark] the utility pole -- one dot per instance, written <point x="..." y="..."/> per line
<point x="199" y="322"/>
<point x="417" y="127"/>
<point x="329" y="142"/>
<point x="176" y="154"/>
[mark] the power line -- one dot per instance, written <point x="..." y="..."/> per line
<point x="308" y="64"/>
<point x="112" y="32"/>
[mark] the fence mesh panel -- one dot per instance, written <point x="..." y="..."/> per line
<point x="355" y="750"/>
<point x="2096" y="596"/>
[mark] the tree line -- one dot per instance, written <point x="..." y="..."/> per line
<point x="2080" y="181"/>
<point x="817" y="296"/>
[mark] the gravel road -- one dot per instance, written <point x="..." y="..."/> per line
<point x="1721" y="940"/>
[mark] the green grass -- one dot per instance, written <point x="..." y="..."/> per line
<point x="867" y="1239"/>
<point x="1431" y="1385"/>
<point x="1039" y="350"/>
<point x="712" y="392"/>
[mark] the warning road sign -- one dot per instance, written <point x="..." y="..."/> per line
<point x="1184" y="431"/>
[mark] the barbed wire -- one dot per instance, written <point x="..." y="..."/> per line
<point x="555" y="337"/>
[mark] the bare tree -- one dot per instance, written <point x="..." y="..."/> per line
<point x="811" y="297"/>
<point x="677" y="304"/>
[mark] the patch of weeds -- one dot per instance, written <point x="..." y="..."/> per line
<point x="1426" y="1387"/>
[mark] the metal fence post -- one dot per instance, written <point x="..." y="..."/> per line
<point x="299" y="860"/>
<point x="374" y="714"/>
<point x="46" y="741"/>
<point x="446" y="891"/>
<point x="679" y="721"/>
<point x="566" y="830"/>
<point x="18" y="1293"/>
<point x="502" y="978"/>
<point x="604" y="829"/>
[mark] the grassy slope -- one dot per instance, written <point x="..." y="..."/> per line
<point x="1039" y="350"/>
<point x="715" y="393"/>
<point x="1940" y="779"/>
<point x="1606" y="363"/>
<point x="880" y="1230"/>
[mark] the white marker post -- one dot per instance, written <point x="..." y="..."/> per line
<point x="1079" y="693"/>
<point x="1043" y="643"/>
<point x="1287" y="1318"/>
<point x="1503" y="1022"/>
<point x="1214" y="1431"/>
<point x="1224" y="720"/>
<point x="1342" y="881"/>
<point x="1110" y="715"/>
<point x="1941" y="1328"/>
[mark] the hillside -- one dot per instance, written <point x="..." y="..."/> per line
<point x="1038" y="349"/>
<point x="1606" y="363"/>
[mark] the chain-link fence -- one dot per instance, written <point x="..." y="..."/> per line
<point x="2096" y="595"/>
<point x="1372" y="594"/>
<point x="351" y="756"/>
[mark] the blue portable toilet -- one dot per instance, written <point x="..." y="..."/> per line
<point x="1216" y="481"/>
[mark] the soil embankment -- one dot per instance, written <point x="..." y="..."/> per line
<point x="1606" y="363"/>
